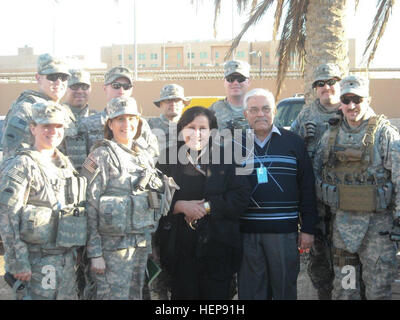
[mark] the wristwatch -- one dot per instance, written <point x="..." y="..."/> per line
<point x="207" y="207"/>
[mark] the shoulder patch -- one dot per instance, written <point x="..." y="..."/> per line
<point x="90" y="165"/>
<point x="16" y="174"/>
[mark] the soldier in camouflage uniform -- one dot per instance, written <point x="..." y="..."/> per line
<point x="311" y="124"/>
<point x="229" y="112"/>
<point x="123" y="208"/>
<point x="118" y="82"/>
<point x="42" y="210"/>
<point x="353" y="165"/>
<point x="171" y="102"/>
<point x="52" y="75"/>
<point x="75" y="145"/>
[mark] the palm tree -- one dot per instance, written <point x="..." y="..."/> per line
<point x="313" y="31"/>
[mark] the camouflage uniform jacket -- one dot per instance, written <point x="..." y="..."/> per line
<point x="23" y="185"/>
<point x="113" y="171"/>
<point x="16" y="127"/>
<point x="93" y="128"/>
<point x="225" y="113"/>
<point x="165" y="131"/>
<point x="353" y="225"/>
<point x="320" y="115"/>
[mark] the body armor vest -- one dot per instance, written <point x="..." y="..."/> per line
<point x="349" y="180"/>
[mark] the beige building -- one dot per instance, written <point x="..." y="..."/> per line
<point x="198" y="54"/>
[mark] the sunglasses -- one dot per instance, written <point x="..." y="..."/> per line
<point x="322" y="83"/>
<point x="239" y="79"/>
<point x="355" y="99"/>
<point x="76" y="86"/>
<point x="117" y="85"/>
<point x="55" y="76"/>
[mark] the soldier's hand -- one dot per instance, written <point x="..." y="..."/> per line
<point x="310" y="129"/>
<point x="98" y="265"/>
<point x="23" y="276"/>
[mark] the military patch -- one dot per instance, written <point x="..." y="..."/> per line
<point x="17" y="175"/>
<point x="90" y="165"/>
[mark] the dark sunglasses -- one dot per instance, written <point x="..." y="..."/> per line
<point x="76" y="86"/>
<point x="55" y="76"/>
<point x="321" y="83"/>
<point x="117" y="85"/>
<point x="239" y="79"/>
<point x="355" y="99"/>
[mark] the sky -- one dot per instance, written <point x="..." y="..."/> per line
<point x="81" y="27"/>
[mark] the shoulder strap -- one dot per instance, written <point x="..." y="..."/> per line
<point x="333" y="133"/>
<point x="114" y="156"/>
<point x="369" y="137"/>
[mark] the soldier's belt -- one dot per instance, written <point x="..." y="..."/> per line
<point x="357" y="198"/>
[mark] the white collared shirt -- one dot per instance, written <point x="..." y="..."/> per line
<point x="263" y="143"/>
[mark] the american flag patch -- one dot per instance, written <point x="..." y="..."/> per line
<point x="16" y="175"/>
<point x="90" y="165"/>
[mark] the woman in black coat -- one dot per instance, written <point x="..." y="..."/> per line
<point x="199" y="240"/>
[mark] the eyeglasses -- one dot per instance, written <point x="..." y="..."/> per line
<point x="117" y="85"/>
<point x="355" y="99"/>
<point x="232" y="78"/>
<point x="255" y="110"/>
<point x="322" y="83"/>
<point x="55" y="76"/>
<point x="76" y="86"/>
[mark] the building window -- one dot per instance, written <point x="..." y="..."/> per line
<point x="217" y="54"/>
<point x="154" y="65"/>
<point x="240" y="54"/>
<point x="153" y="56"/>
<point x="166" y="56"/>
<point x="120" y="57"/>
<point x="142" y="56"/>
<point x="188" y="55"/>
<point x="178" y="55"/>
<point x="130" y="57"/>
<point x="203" y="55"/>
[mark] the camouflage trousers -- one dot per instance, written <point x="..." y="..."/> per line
<point x="53" y="276"/>
<point x="377" y="257"/>
<point x="124" y="276"/>
<point x="319" y="268"/>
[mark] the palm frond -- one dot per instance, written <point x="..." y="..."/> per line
<point x="356" y="5"/>
<point x="278" y="17"/>
<point x="242" y="5"/>
<point x="378" y="28"/>
<point x="255" y="15"/>
<point x="292" y="39"/>
<point x="217" y="11"/>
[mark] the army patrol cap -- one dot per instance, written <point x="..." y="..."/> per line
<point x="356" y="85"/>
<point x="118" y="72"/>
<point x="79" y="76"/>
<point x="120" y="106"/>
<point x="237" y="66"/>
<point x="327" y="71"/>
<point x="172" y="91"/>
<point x="48" y="64"/>
<point x="48" y="112"/>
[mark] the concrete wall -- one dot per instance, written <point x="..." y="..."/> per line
<point x="383" y="92"/>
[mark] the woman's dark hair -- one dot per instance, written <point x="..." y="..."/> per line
<point x="191" y="113"/>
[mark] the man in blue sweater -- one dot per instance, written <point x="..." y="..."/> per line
<point x="282" y="204"/>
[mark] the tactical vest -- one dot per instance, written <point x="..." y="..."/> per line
<point x="75" y="144"/>
<point x="131" y="202"/>
<point x="44" y="225"/>
<point x="349" y="181"/>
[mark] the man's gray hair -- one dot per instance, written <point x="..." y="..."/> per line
<point x="260" y="92"/>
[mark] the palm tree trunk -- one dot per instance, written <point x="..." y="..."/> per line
<point x="326" y="39"/>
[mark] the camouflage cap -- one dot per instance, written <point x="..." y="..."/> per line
<point x="327" y="71"/>
<point x="79" y="76"/>
<point x="237" y="66"/>
<point x="172" y="91"/>
<point x="48" y="112"/>
<point x="47" y="64"/>
<point x="121" y="105"/>
<point x="356" y="85"/>
<point x="118" y="72"/>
